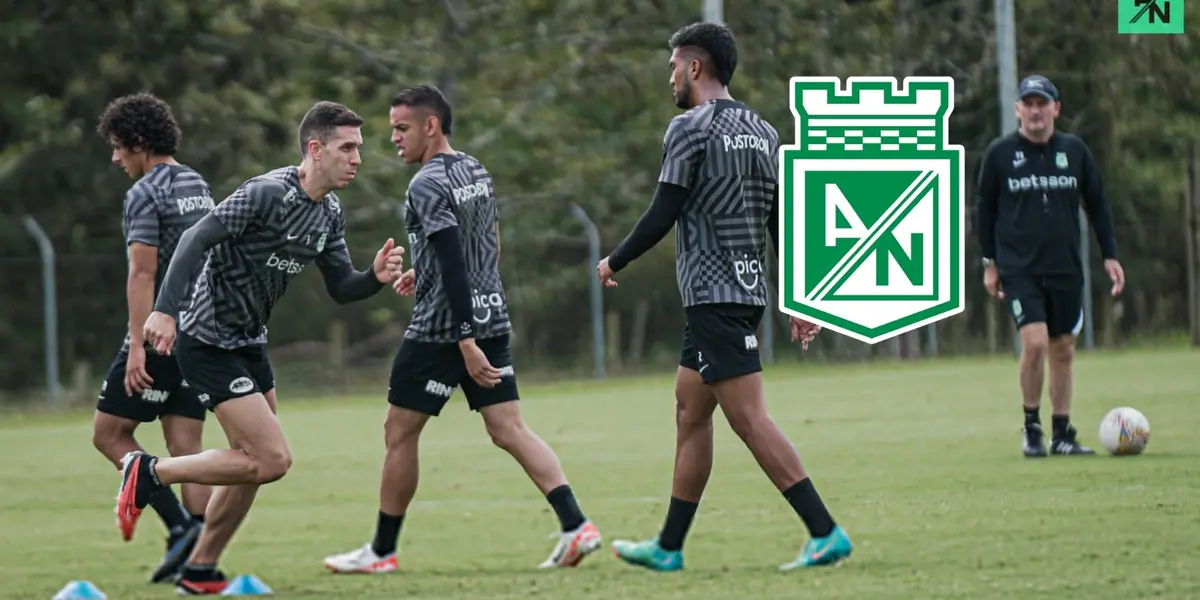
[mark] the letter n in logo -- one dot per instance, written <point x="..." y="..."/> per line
<point x="871" y="213"/>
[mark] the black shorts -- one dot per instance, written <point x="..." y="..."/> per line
<point x="721" y="340"/>
<point x="425" y="374"/>
<point x="219" y="374"/>
<point x="168" y="395"/>
<point x="1056" y="301"/>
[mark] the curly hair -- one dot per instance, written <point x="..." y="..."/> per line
<point x="142" y="121"/>
<point x="717" y="46"/>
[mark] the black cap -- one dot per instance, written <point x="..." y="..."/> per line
<point x="1036" y="85"/>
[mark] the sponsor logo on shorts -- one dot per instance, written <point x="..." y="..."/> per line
<point x="751" y="342"/>
<point x="438" y="388"/>
<point x="203" y="398"/>
<point x="241" y="385"/>
<point x="155" y="396"/>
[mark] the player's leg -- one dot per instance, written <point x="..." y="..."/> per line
<point x="183" y="429"/>
<point x="1064" y="320"/>
<point x="117" y="416"/>
<point x="726" y="337"/>
<point x="694" y="407"/>
<point x="1027" y="305"/>
<point x="229" y="505"/>
<point x="502" y="417"/>
<point x="422" y="380"/>
<point x="258" y="454"/>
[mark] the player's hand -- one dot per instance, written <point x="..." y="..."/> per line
<point x="405" y="284"/>
<point x="159" y="330"/>
<point x="478" y="366"/>
<point x="389" y="261"/>
<point x="991" y="282"/>
<point x="137" y="379"/>
<point x="804" y="332"/>
<point x="1116" y="274"/>
<point x="605" y="273"/>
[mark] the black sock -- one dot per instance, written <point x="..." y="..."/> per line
<point x="199" y="572"/>
<point x="1033" y="416"/>
<point x="170" y="510"/>
<point x="562" y="500"/>
<point x="679" y="519"/>
<point x="197" y="518"/>
<point x="387" y="531"/>
<point x="1060" y="424"/>
<point x="147" y="484"/>
<point x="805" y="501"/>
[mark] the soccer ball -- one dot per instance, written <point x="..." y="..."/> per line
<point x="1124" y="431"/>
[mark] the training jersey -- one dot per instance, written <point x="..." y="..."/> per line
<point x="276" y="231"/>
<point x="726" y="156"/>
<point x="158" y="208"/>
<point x="454" y="190"/>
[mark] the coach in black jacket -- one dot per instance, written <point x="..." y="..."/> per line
<point x="1030" y="183"/>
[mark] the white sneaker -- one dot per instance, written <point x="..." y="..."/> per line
<point x="573" y="546"/>
<point x="363" y="560"/>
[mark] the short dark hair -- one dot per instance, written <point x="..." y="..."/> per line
<point x="322" y="120"/>
<point x="141" y="120"/>
<point x="716" y="41"/>
<point x="427" y="96"/>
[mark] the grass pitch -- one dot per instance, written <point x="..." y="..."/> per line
<point x="919" y="462"/>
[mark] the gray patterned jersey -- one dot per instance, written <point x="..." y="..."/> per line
<point x="454" y="190"/>
<point x="276" y="231"/>
<point x="159" y="207"/>
<point x="726" y="156"/>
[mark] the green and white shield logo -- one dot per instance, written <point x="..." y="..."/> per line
<point x="871" y="212"/>
<point x="321" y="242"/>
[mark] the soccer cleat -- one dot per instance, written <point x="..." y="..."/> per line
<point x="1068" y="445"/>
<point x="363" y="560"/>
<point x="648" y="554"/>
<point x="179" y="547"/>
<point x="134" y="475"/>
<point x="1032" y="443"/>
<point x="829" y="550"/>
<point x="573" y="546"/>
<point x="200" y="582"/>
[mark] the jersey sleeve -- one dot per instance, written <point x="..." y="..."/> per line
<point x="431" y="201"/>
<point x="248" y="205"/>
<point x="141" y="215"/>
<point x="683" y="151"/>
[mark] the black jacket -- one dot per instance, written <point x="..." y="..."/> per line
<point x="1029" y="205"/>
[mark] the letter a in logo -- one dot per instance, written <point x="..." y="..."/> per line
<point x="871" y="213"/>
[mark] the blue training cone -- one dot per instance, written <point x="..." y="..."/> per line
<point x="246" y="585"/>
<point x="80" y="590"/>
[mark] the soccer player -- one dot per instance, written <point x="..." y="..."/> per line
<point x="718" y="182"/>
<point x="141" y="386"/>
<point x="459" y="335"/>
<point x="256" y="241"/>
<point x="1030" y="183"/>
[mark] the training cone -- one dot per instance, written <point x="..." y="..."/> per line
<point x="246" y="585"/>
<point x="80" y="590"/>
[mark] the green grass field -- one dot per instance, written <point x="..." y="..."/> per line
<point x="920" y="462"/>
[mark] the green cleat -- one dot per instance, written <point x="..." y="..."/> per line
<point x="828" y="550"/>
<point x="648" y="554"/>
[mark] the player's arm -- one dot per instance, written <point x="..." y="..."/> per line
<point x="683" y="151"/>
<point x="432" y="204"/>
<point x="141" y="218"/>
<point x="988" y="202"/>
<point x="344" y="283"/>
<point x="1097" y="207"/>
<point x="228" y="220"/>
